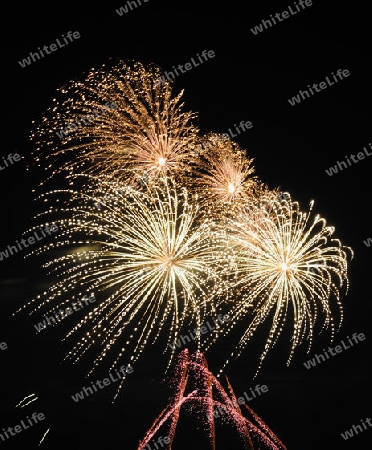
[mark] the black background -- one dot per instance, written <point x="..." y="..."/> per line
<point x="250" y="79"/>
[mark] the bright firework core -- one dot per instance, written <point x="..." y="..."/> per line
<point x="169" y="261"/>
<point x="161" y="161"/>
<point x="284" y="266"/>
<point x="231" y="188"/>
<point x="158" y="250"/>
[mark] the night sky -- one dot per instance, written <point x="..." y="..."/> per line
<point x="251" y="79"/>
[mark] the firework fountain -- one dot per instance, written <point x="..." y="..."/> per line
<point x="206" y="400"/>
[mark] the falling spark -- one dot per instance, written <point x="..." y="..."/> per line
<point x="44" y="436"/>
<point x="21" y="404"/>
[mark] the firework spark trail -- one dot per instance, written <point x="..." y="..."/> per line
<point x="192" y="372"/>
<point x="44" y="436"/>
<point x="25" y="402"/>
<point x="147" y="133"/>
<point x="154" y="262"/>
<point x="286" y="263"/>
<point x="22" y="403"/>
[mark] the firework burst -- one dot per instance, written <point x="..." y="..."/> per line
<point x="224" y="176"/>
<point x="288" y="267"/>
<point x="159" y="251"/>
<point x="150" y="257"/>
<point x="120" y="122"/>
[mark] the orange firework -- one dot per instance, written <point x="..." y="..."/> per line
<point x="118" y="122"/>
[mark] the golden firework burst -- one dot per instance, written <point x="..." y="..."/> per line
<point x="151" y="258"/>
<point x="165" y="217"/>
<point x="224" y="176"/>
<point x="287" y="267"/>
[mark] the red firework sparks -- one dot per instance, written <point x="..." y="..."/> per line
<point x="206" y="396"/>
